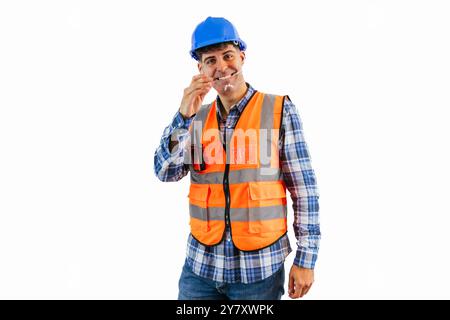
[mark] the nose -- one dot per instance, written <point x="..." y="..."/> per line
<point x="222" y="66"/>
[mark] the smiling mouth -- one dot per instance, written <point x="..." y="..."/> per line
<point x="228" y="76"/>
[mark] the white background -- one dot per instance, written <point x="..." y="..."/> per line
<point x="87" y="87"/>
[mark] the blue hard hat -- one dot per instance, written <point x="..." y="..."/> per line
<point x="212" y="31"/>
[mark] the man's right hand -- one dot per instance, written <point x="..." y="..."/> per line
<point x="194" y="94"/>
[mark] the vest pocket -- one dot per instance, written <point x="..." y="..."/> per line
<point x="199" y="192"/>
<point x="198" y="207"/>
<point x="267" y="208"/>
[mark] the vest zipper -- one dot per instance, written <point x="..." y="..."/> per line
<point x="226" y="188"/>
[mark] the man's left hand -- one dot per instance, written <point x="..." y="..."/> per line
<point x="300" y="281"/>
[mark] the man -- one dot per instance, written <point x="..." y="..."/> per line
<point x="242" y="151"/>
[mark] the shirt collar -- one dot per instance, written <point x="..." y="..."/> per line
<point x="239" y="105"/>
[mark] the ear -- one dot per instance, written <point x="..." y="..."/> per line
<point x="242" y="54"/>
<point x="199" y="66"/>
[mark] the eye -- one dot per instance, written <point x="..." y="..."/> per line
<point x="228" y="56"/>
<point x="210" y="61"/>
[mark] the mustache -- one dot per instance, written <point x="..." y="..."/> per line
<point x="228" y="76"/>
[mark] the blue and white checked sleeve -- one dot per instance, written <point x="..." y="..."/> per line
<point x="170" y="166"/>
<point x="301" y="182"/>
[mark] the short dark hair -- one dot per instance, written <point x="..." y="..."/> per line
<point x="217" y="46"/>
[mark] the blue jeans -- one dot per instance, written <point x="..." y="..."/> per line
<point x="194" y="287"/>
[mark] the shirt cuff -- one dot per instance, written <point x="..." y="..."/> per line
<point x="180" y="122"/>
<point x="305" y="259"/>
<point x="178" y="129"/>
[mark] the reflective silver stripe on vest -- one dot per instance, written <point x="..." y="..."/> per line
<point x="265" y="132"/>
<point x="238" y="176"/>
<point x="239" y="214"/>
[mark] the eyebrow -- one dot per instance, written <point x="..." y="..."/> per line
<point x="228" y="51"/>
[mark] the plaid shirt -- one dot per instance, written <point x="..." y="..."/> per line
<point x="224" y="262"/>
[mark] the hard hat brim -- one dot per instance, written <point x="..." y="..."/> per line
<point x="242" y="45"/>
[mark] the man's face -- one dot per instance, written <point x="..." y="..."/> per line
<point x="221" y="63"/>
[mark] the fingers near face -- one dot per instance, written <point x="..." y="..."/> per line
<point x="201" y="78"/>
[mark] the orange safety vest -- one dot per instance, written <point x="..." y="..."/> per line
<point x="237" y="180"/>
